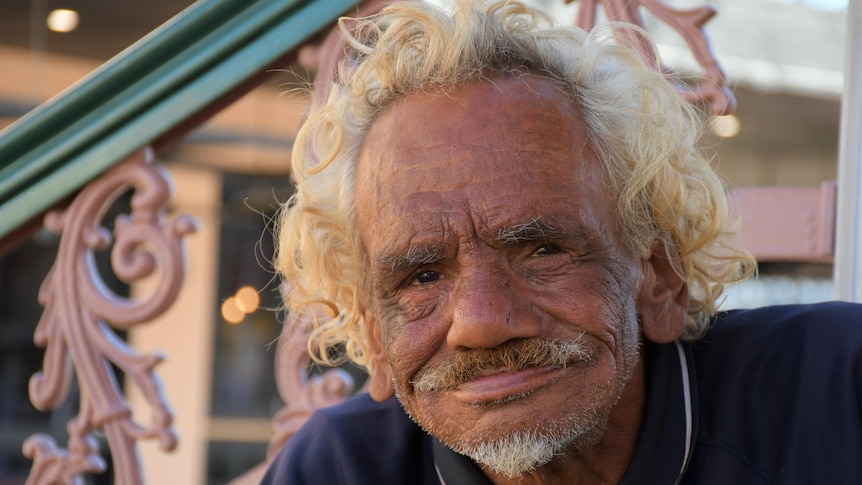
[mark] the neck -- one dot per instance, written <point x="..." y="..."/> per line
<point x="608" y="458"/>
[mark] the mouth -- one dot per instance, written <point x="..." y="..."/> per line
<point x="504" y="386"/>
<point x="503" y="374"/>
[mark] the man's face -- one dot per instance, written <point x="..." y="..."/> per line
<point x="489" y="228"/>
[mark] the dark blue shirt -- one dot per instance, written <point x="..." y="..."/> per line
<point x="772" y="395"/>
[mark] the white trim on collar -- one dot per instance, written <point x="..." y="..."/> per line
<point x="439" y="475"/>
<point x="686" y="391"/>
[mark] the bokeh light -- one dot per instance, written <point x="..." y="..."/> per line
<point x="62" y="20"/>
<point x="231" y="312"/>
<point x="726" y="126"/>
<point x="247" y="299"/>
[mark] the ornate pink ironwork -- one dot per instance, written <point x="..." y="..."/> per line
<point x="79" y="311"/>
<point x="303" y="394"/>
<point x="712" y="88"/>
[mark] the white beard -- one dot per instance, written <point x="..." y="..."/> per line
<point x="516" y="454"/>
<point x="521" y="452"/>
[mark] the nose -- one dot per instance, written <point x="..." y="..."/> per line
<point x="487" y="312"/>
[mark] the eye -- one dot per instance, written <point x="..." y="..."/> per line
<point x="546" y="249"/>
<point x="426" y="277"/>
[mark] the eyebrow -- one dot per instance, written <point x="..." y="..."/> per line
<point x="415" y="256"/>
<point x="535" y="230"/>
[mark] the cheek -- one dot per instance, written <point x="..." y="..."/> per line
<point x="599" y="300"/>
<point x="414" y="327"/>
<point x="619" y="293"/>
<point x="410" y="345"/>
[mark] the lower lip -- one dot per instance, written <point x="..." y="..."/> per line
<point x="499" y="387"/>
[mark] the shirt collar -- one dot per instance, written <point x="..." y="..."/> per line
<point x="666" y="440"/>
<point x="456" y="469"/>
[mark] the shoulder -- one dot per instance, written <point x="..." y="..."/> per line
<point x="825" y="312"/>
<point x="780" y="393"/>
<point x="360" y="412"/>
<point x="800" y="342"/>
<point x="827" y="323"/>
<point x="359" y="441"/>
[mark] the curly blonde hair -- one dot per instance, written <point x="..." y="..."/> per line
<point x="644" y="132"/>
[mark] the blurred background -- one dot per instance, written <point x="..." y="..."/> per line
<point x="784" y="61"/>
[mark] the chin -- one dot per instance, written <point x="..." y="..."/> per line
<point x="519" y="452"/>
<point x="515" y="451"/>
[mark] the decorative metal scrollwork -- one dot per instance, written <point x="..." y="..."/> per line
<point x="75" y="328"/>
<point x="712" y="88"/>
<point x="303" y="394"/>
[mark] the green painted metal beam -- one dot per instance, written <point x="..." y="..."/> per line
<point x="175" y="71"/>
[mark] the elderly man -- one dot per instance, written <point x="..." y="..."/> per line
<point x="509" y="225"/>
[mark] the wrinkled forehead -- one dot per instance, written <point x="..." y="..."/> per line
<point x="477" y="113"/>
<point x="496" y="153"/>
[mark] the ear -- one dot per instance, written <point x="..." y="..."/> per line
<point x="380" y="374"/>
<point x="663" y="300"/>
